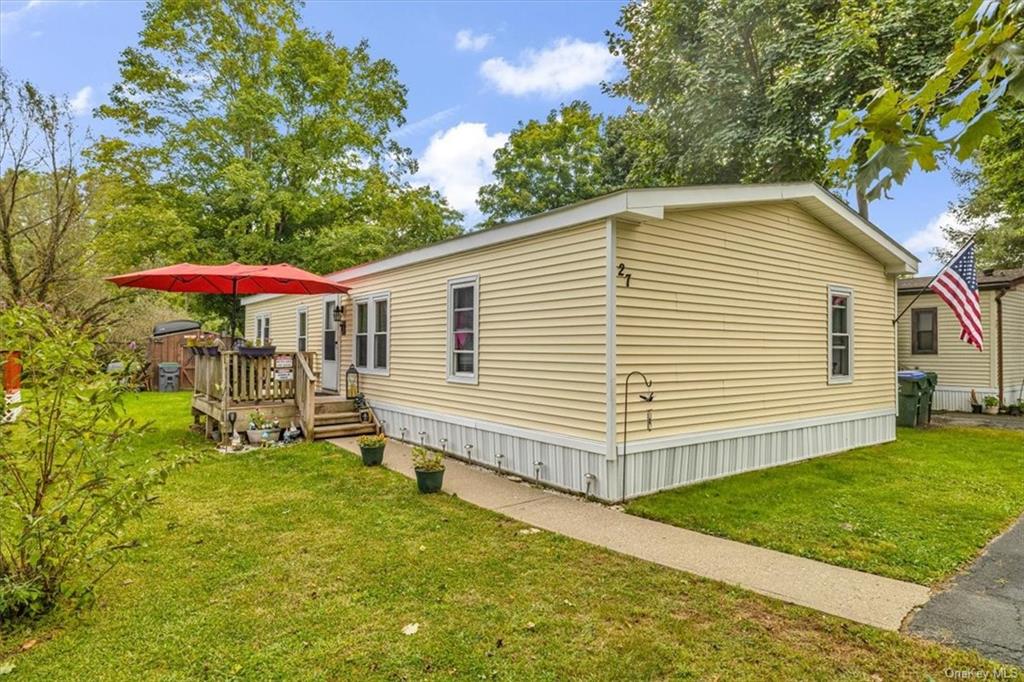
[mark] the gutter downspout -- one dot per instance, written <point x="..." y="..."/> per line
<point x="1000" y="346"/>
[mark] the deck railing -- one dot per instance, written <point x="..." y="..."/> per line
<point x="231" y="377"/>
<point x="305" y="393"/>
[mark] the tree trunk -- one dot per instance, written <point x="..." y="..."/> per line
<point x="862" y="204"/>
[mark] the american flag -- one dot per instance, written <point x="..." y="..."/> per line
<point x="957" y="285"/>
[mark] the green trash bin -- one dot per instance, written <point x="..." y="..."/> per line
<point x="912" y="387"/>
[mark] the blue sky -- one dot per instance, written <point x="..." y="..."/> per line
<point x="473" y="70"/>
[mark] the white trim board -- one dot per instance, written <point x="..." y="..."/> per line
<point x="645" y="204"/>
<point x="611" y="352"/>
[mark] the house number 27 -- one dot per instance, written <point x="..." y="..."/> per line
<point x="623" y="273"/>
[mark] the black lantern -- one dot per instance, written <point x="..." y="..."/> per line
<point x="339" y="318"/>
<point x="351" y="382"/>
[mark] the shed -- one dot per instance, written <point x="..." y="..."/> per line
<point x="167" y="344"/>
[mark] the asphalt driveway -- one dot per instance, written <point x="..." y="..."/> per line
<point x="983" y="608"/>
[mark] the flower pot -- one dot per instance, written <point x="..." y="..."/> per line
<point x="263" y="352"/>
<point x="991" y="409"/>
<point x="255" y="436"/>
<point x="429" y="481"/>
<point x="372" y="456"/>
<point x="976" y="408"/>
<point x="212" y="351"/>
<point x="1014" y="410"/>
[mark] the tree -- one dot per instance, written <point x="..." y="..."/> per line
<point x="257" y="134"/>
<point x="743" y="90"/>
<point x="549" y="164"/>
<point x="950" y="112"/>
<point x="993" y="210"/>
<point x="43" y="200"/>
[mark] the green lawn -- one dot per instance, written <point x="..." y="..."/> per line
<point x="301" y="563"/>
<point x="917" y="509"/>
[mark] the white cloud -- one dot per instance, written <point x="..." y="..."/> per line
<point x="467" y="41"/>
<point x="566" y="66"/>
<point x="9" y="19"/>
<point x="458" y="161"/>
<point x="930" y="236"/>
<point x="81" y="103"/>
<point x="428" y="122"/>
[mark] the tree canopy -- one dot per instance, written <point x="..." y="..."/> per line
<point x="548" y="164"/>
<point x="251" y="138"/>
<point x="744" y="90"/>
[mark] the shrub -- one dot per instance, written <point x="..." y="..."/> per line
<point x="427" y="460"/>
<point x="66" y="496"/>
<point x="991" y="401"/>
<point x="371" y="441"/>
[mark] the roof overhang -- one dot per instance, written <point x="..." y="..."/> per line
<point x="644" y="204"/>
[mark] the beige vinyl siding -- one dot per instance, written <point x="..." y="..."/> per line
<point x="957" y="363"/>
<point x="541" y="334"/>
<point x="284" y="324"/>
<point x="1013" y="340"/>
<point x="727" y="313"/>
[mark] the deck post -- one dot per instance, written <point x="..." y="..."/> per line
<point x="225" y="399"/>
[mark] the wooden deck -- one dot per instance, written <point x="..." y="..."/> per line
<point x="280" y="386"/>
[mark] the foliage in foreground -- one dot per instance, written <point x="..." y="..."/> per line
<point x="301" y="563"/>
<point x="67" y="495"/>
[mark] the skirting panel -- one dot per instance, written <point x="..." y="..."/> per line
<point x="651" y="470"/>
<point x="958" y="399"/>
<point x="558" y="466"/>
<point x="585" y="471"/>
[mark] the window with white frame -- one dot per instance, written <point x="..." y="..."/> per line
<point x="372" y="326"/>
<point x="302" y="333"/>
<point x="840" y="334"/>
<point x="263" y="328"/>
<point x="463" y="329"/>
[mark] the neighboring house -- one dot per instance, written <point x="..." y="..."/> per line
<point x="762" y="314"/>
<point x="929" y="339"/>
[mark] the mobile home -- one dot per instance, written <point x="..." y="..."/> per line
<point x="929" y="339"/>
<point x="761" y="315"/>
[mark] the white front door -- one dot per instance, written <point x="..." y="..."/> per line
<point x="329" y="367"/>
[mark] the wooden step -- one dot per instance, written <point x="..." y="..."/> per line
<point x="332" y="405"/>
<point x="335" y="418"/>
<point x="341" y="430"/>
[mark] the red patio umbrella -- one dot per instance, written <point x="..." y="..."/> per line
<point x="233" y="279"/>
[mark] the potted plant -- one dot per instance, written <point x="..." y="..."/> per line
<point x="203" y="344"/>
<point x="975" y="403"/>
<point x="991" y="404"/>
<point x="254" y="349"/>
<point x="372" y="449"/>
<point x="263" y="429"/>
<point x="1017" y="408"/>
<point x="429" y="466"/>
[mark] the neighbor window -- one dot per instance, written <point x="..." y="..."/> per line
<point x="463" y="328"/>
<point x="840" y="334"/>
<point x="372" y="326"/>
<point x="301" y="335"/>
<point x="924" y="327"/>
<point x="263" y="328"/>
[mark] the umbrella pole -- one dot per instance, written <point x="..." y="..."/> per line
<point x="234" y="310"/>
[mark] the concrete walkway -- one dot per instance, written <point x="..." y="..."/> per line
<point x="860" y="597"/>
<point x="983" y="608"/>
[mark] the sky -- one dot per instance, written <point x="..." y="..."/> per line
<point x="473" y="71"/>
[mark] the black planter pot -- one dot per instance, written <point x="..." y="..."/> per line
<point x="976" y="409"/>
<point x="429" y="481"/>
<point x="212" y="351"/>
<point x="264" y="352"/>
<point x="372" y="456"/>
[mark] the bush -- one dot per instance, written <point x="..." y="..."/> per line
<point x="372" y="441"/>
<point x="66" y="496"/>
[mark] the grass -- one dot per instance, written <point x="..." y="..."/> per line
<point x="301" y="563"/>
<point x="916" y="509"/>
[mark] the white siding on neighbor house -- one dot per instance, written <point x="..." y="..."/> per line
<point x="957" y="363"/>
<point x="727" y="313"/>
<point x="541" y="334"/>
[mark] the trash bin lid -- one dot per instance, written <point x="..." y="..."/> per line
<point x="911" y="375"/>
<point x="169" y="366"/>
